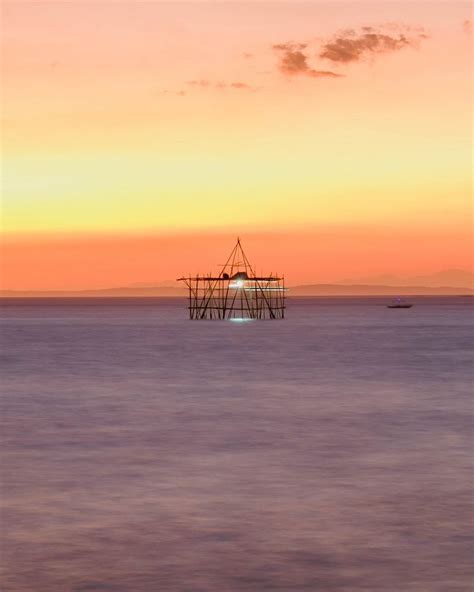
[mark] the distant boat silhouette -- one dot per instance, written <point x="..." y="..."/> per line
<point x="399" y="303"/>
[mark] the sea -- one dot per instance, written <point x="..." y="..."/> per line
<point x="327" y="452"/>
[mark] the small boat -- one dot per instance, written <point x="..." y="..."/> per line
<point x="399" y="303"/>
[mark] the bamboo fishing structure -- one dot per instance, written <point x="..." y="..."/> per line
<point x="237" y="293"/>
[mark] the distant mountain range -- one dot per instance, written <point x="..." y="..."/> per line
<point x="376" y="290"/>
<point x="449" y="282"/>
<point x="308" y="290"/>
<point x="125" y="292"/>
<point x="452" y="278"/>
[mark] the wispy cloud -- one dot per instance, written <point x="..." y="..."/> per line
<point x="467" y="27"/>
<point x="290" y="46"/>
<point x="294" y="62"/>
<point x="220" y="85"/>
<point x="240" y="85"/>
<point x="352" y="46"/>
<point x="347" y="46"/>
<point x="201" y="83"/>
<point x="165" y="91"/>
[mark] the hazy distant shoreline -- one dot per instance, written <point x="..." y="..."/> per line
<point x="312" y="290"/>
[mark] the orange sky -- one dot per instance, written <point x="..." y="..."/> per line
<point x="140" y="138"/>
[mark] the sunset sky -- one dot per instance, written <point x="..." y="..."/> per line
<point x="140" y="138"/>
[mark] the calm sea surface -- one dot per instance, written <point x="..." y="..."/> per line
<point x="327" y="452"/>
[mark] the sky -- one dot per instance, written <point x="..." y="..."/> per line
<point x="141" y="138"/>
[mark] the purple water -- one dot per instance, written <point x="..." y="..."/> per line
<point x="327" y="452"/>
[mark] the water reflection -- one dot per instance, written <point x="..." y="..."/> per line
<point x="145" y="452"/>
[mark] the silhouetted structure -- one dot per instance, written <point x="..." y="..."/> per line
<point x="236" y="293"/>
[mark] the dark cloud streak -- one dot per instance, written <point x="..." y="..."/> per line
<point x="203" y="83"/>
<point x="240" y="85"/>
<point x="294" y="62"/>
<point x="350" y="46"/>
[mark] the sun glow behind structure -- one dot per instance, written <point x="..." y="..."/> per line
<point x="237" y="293"/>
<point x="237" y="285"/>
